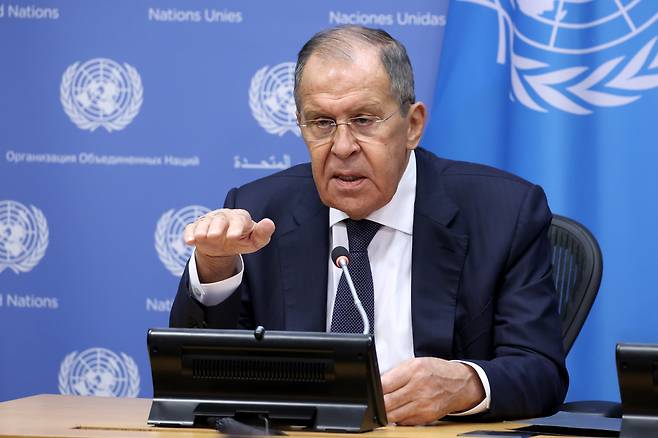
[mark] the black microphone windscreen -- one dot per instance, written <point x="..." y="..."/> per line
<point x="337" y="252"/>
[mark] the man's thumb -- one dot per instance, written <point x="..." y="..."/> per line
<point x="262" y="232"/>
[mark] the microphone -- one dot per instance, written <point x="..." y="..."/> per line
<point x="340" y="258"/>
<point x="339" y="255"/>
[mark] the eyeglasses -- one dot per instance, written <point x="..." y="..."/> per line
<point x="362" y="127"/>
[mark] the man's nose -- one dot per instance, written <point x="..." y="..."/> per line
<point x="344" y="142"/>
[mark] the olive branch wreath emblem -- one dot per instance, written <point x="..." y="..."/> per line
<point x="115" y="124"/>
<point x="67" y="365"/>
<point x="258" y="110"/>
<point x="167" y="259"/>
<point x="588" y="89"/>
<point x="612" y="83"/>
<point x="35" y="254"/>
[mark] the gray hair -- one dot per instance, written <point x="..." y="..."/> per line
<point x="338" y="42"/>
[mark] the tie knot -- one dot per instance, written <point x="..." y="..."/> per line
<point x="360" y="233"/>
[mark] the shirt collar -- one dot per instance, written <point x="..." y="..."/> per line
<point x="399" y="212"/>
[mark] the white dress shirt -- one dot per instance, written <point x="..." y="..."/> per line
<point x="389" y="253"/>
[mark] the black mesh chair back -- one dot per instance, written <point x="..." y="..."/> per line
<point x="577" y="269"/>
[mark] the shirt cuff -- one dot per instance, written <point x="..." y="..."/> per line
<point x="211" y="294"/>
<point x="486" y="402"/>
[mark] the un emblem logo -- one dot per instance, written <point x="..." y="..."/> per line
<point x="101" y="92"/>
<point x="272" y="101"/>
<point x="23" y="236"/>
<point x="561" y="52"/>
<point x="100" y="372"/>
<point x="169" y="244"/>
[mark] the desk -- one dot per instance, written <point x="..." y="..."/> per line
<point x="72" y="416"/>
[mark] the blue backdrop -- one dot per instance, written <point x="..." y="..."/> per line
<point x="122" y="120"/>
<point x="119" y="122"/>
<point x="566" y="95"/>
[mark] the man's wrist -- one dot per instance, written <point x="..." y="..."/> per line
<point x="473" y="392"/>
<point x="213" y="269"/>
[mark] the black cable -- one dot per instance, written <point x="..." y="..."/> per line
<point x="230" y="426"/>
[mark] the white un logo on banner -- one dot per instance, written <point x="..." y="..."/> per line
<point x="271" y="98"/>
<point x="23" y="236"/>
<point x="101" y="92"/>
<point x="169" y="244"/>
<point x="99" y="372"/>
<point x="579" y="84"/>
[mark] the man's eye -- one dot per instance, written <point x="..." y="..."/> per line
<point x="363" y="121"/>
<point x="323" y="124"/>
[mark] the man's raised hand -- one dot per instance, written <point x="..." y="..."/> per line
<point x="220" y="236"/>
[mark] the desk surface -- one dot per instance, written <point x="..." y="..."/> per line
<point x="71" y="416"/>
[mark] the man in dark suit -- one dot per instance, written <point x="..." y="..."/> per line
<point x="459" y="274"/>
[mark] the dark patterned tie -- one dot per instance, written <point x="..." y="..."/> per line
<point x="346" y="318"/>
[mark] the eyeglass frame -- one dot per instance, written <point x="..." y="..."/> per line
<point x="379" y="121"/>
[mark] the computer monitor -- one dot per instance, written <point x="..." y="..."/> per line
<point x="323" y="381"/>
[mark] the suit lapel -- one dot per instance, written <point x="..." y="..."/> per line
<point x="304" y="252"/>
<point x="438" y="255"/>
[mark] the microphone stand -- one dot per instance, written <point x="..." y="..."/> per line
<point x="341" y="260"/>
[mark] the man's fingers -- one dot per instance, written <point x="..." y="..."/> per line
<point x="402" y="413"/>
<point x="415" y="409"/>
<point x="227" y="232"/>
<point x="400" y="397"/>
<point x="239" y="226"/>
<point x="217" y="227"/>
<point x="201" y="229"/>
<point x="412" y="414"/>
<point x="262" y="232"/>
<point x="188" y="234"/>
<point x="396" y="378"/>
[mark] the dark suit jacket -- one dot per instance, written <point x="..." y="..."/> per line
<point x="481" y="287"/>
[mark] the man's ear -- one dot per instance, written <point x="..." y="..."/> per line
<point x="417" y="116"/>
